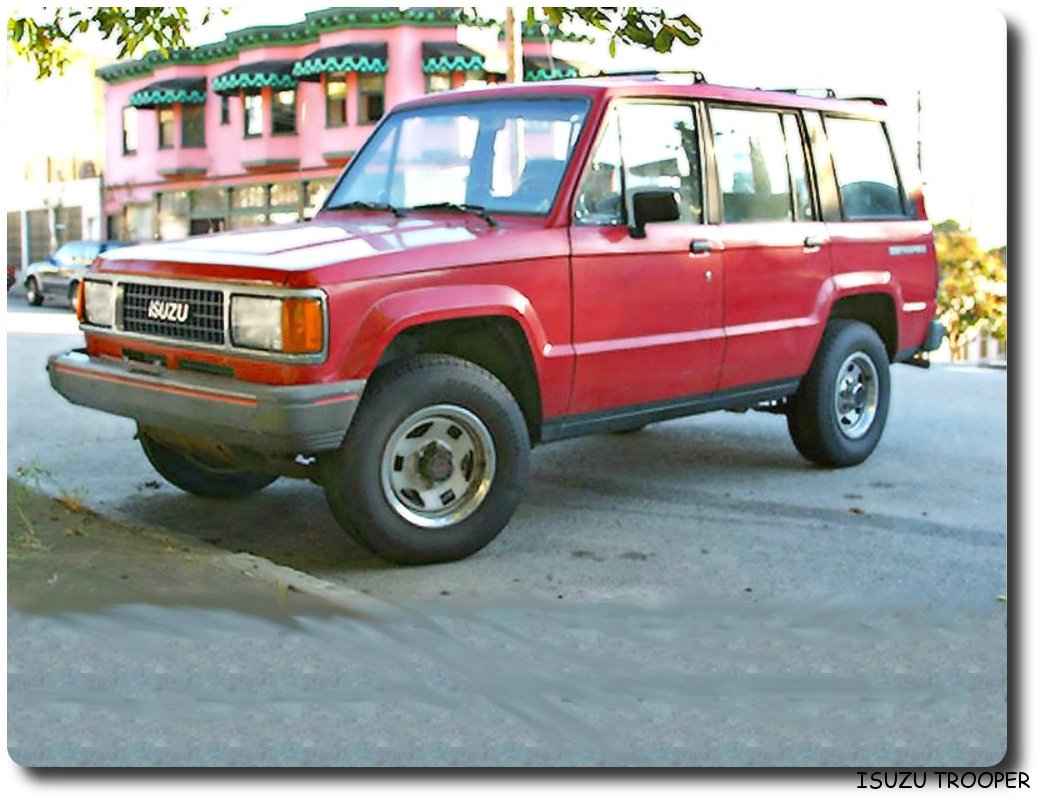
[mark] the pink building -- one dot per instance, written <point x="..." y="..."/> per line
<point x="254" y="129"/>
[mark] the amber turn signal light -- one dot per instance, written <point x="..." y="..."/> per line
<point x="80" y="300"/>
<point x="302" y="329"/>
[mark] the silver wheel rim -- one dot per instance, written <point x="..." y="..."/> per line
<point x="438" y="466"/>
<point x="857" y="395"/>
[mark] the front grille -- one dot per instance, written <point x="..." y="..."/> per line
<point x="205" y="321"/>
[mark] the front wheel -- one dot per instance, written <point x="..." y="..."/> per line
<point x="32" y="292"/>
<point x="838" y="414"/>
<point x="192" y="475"/>
<point x="434" y="464"/>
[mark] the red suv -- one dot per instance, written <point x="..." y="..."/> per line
<point x="503" y="267"/>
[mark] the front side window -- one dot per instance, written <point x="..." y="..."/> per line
<point x="284" y="112"/>
<point x="129" y="130"/>
<point x="252" y="114"/>
<point x="336" y="101"/>
<point x="644" y="146"/>
<point x="868" y="187"/>
<point x="752" y="165"/>
<point x="193" y="126"/>
<point x="600" y="195"/>
<point x="504" y="155"/>
<point x="660" y="151"/>
<point x="166" y="128"/>
<point x="370" y="98"/>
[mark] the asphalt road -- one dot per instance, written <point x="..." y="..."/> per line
<point x="694" y="594"/>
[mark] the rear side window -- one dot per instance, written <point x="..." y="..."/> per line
<point x="868" y="186"/>
<point x="752" y="161"/>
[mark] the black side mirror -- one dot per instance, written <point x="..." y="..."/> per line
<point x="653" y="206"/>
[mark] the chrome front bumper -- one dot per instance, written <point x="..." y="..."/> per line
<point x="269" y="419"/>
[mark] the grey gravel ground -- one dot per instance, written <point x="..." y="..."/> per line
<point x="694" y="594"/>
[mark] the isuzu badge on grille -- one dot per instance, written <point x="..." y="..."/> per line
<point x="171" y="311"/>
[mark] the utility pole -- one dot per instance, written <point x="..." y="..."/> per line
<point x="512" y="34"/>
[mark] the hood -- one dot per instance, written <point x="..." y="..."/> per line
<point x="355" y="240"/>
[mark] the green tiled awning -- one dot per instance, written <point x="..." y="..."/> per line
<point x="259" y="74"/>
<point x="190" y="91"/>
<point x="541" y="68"/>
<point x="353" y="57"/>
<point x="450" y="57"/>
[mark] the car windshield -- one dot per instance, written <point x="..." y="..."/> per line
<point x="496" y="155"/>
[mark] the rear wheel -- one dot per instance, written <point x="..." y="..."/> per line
<point x="32" y="292"/>
<point x="838" y="414"/>
<point x="434" y="464"/>
<point x="191" y="474"/>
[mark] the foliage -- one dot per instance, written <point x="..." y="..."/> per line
<point x="652" y="28"/>
<point x="46" y="42"/>
<point x="972" y="294"/>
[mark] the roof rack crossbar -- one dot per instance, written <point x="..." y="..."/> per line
<point x="825" y="91"/>
<point x="697" y="77"/>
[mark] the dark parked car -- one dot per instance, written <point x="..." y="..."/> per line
<point x="59" y="275"/>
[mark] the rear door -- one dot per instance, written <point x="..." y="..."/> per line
<point x="647" y="311"/>
<point x="877" y="237"/>
<point x="776" y="248"/>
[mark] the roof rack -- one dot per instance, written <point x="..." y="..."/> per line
<point x="830" y="94"/>
<point x="696" y="75"/>
<point x="824" y="92"/>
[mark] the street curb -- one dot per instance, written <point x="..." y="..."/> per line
<point x="348" y="600"/>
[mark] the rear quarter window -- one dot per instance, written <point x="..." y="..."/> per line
<point x="865" y="171"/>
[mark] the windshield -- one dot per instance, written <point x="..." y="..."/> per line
<point x="500" y="155"/>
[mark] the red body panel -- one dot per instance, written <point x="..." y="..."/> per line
<point x="611" y="320"/>
<point x="648" y="315"/>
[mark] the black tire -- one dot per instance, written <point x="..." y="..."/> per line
<point x="32" y="292"/>
<point x="813" y="421"/>
<point x="194" y="477"/>
<point x="352" y="476"/>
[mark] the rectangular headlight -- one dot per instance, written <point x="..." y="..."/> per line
<point x="281" y="325"/>
<point x="97" y="302"/>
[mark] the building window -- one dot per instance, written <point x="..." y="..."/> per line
<point x="336" y="101"/>
<point x="284" y="112"/>
<point x="166" y="128"/>
<point x="438" y="82"/>
<point x="370" y="98"/>
<point x="193" y="126"/>
<point x="129" y="130"/>
<point x="284" y="202"/>
<point x="226" y="110"/>
<point x="252" y="114"/>
<point x="473" y="79"/>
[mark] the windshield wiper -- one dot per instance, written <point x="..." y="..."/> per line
<point x="473" y="208"/>
<point x="368" y="206"/>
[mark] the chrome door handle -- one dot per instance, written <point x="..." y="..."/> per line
<point x="814" y="241"/>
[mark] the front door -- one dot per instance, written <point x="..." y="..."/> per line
<point x="776" y="249"/>
<point x="647" y="311"/>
